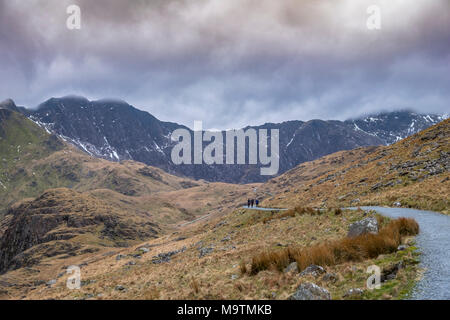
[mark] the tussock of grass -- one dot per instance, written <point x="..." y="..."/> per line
<point x="243" y="267"/>
<point x="277" y="260"/>
<point x="195" y="286"/>
<point x="359" y="248"/>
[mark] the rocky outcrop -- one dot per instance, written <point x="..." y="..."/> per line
<point x="393" y="126"/>
<point x="205" y="251"/>
<point x="313" y="270"/>
<point x="48" y="225"/>
<point x="367" y="225"/>
<point x="310" y="291"/>
<point x="166" y="256"/>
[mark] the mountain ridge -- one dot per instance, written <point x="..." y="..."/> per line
<point x="114" y="130"/>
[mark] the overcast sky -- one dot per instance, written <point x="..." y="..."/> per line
<point x="231" y="63"/>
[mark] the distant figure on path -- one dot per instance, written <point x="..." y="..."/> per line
<point x="248" y="203"/>
<point x="256" y="202"/>
<point x="252" y="202"/>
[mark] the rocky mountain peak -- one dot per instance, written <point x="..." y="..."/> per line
<point x="115" y="130"/>
<point x="8" y="104"/>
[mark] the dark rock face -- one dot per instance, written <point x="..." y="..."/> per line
<point x="108" y="129"/>
<point x="117" y="131"/>
<point x="44" y="227"/>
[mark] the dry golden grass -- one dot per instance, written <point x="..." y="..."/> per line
<point x="243" y="267"/>
<point x="298" y="210"/>
<point x="348" y="178"/>
<point x="172" y="280"/>
<point x="307" y="235"/>
<point x="217" y="275"/>
<point x="359" y="248"/>
<point x="195" y="285"/>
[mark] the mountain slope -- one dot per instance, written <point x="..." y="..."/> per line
<point x="33" y="161"/>
<point x="413" y="172"/>
<point x="394" y="126"/>
<point x="21" y="143"/>
<point x="213" y="249"/>
<point x="317" y="138"/>
<point x="66" y="222"/>
<point x="109" y="129"/>
<point x="56" y="201"/>
<point x="116" y="131"/>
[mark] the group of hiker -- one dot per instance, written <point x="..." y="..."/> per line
<point x="252" y="203"/>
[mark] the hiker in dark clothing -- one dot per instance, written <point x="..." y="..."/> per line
<point x="252" y="202"/>
<point x="248" y="203"/>
<point x="256" y="202"/>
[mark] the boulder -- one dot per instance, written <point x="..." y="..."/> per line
<point x="313" y="270"/>
<point x="331" y="277"/>
<point x="144" y="249"/>
<point x="353" y="293"/>
<point x="120" y="257"/>
<point x="367" y="225"/>
<point x="227" y="238"/>
<point x="310" y="291"/>
<point x="205" y="251"/>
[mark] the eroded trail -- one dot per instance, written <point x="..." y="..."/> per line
<point x="434" y="243"/>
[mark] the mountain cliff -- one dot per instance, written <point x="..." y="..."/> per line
<point x="116" y="131"/>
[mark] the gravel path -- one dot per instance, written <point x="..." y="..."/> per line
<point x="434" y="243"/>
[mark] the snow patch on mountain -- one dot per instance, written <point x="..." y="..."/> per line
<point x="394" y="126"/>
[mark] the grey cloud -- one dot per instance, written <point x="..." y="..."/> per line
<point x="234" y="62"/>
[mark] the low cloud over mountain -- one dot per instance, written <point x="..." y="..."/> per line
<point x="231" y="63"/>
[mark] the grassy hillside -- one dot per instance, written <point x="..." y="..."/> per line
<point x="66" y="222"/>
<point x="414" y="172"/>
<point x="207" y="261"/>
<point x="58" y="204"/>
<point x="34" y="161"/>
<point x="21" y="143"/>
<point x="207" y="247"/>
